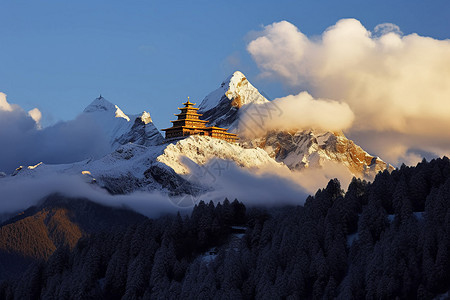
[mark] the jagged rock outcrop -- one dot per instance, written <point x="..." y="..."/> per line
<point x="310" y="149"/>
<point x="143" y="132"/>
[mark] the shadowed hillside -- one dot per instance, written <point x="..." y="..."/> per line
<point x="57" y="222"/>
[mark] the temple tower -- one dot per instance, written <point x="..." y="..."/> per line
<point x="189" y="123"/>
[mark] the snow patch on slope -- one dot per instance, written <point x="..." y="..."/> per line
<point x="201" y="149"/>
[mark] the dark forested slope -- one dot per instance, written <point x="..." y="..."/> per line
<point x="56" y="222"/>
<point x="386" y="239"/>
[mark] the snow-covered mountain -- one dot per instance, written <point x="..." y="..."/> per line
<point x="298" y="149"/>
<point x="165" y="167"/>
<point x="310" y="149"/>
<point x="201" y="149"/>
<point x="121" y="128"/>
<point x="221" y="106"/>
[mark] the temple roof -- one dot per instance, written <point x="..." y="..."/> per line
<point x="189" y="103"/>
<point x="190" y="113"/>
<point x="193" y="120"/>
<point x="187" y="107"/>
<point x="183" y="126"/>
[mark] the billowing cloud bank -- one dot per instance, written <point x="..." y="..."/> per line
<point x="16" y="195"/>
<point x="397" y="85"/>
<point x="299" y="111"/>
<point x="23" y="142"/>
<point x="265" y="188"/>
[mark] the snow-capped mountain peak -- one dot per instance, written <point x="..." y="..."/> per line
<point x="121" y="128"/>
<point x="241" y="91"/>
<point x="237" y="89"/>
<point x="100" y="104"/>
<point x="220" y="107"/>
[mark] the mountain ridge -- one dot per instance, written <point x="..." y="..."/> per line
<point x="120" y="127"/>
<point x="141" y="160"/>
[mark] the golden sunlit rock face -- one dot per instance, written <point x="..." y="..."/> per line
<point x="304" y="149"/>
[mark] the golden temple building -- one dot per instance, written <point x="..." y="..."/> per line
<point x="189" y="123"/>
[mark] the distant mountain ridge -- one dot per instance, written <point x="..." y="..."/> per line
<point x="121" y="128"/>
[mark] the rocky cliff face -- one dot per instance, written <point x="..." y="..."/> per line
<point x="309" y="149"/>
<point x="221" y="106"/>
<point x="143" y="132"/>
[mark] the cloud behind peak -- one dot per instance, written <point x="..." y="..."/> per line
<point x="394" y="83"/>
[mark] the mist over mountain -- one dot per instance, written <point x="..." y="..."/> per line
<point x="100" y="129"/>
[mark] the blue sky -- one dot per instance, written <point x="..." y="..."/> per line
<point x="150" y="55"/>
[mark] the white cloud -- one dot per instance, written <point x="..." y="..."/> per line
<point x="24" y="143"/>
<point x="393" y="83"/>
<point x="285" y="42"/>
<point x="264" y="188"/>
<point x="4" y="105"/>
<point x="16" y="195"/>
<point x="299" y="111"/>
<point x="36" y="115"/>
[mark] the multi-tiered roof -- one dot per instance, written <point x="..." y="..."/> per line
<point x="189" y="123"/>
